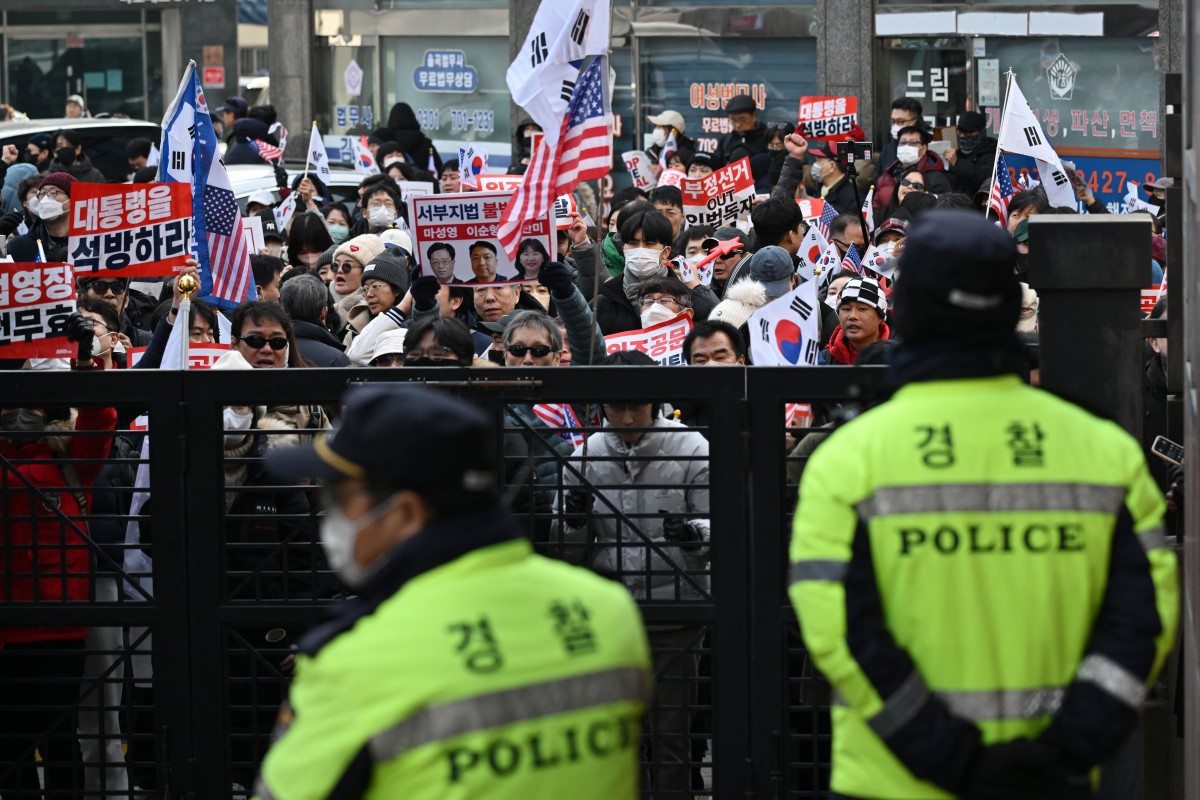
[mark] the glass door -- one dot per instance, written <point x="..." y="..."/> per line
<point x="107" y="70"/>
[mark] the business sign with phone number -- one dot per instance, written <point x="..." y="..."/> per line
<point x="1106" y="177"/>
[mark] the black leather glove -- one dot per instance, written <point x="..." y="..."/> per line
<point x="281" y="176"/>
<point x="578" y="506"/>
<point x="424" y="292"/>
<point x="1024" y="770"/>
<point x="557" y="278"/>
<point x="678" y="531"/>
<point x="80" y="330"/>
<point x="11" y="221"/>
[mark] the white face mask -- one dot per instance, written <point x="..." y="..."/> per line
<point x="338" y="536"/>
<point x="49" y="209"/>
<point x="655" y="314"/>
<point x="234" y="421"/>
<point x="817" y="171"/>
<point x="908" y="154"/>
<point x="643" y="262"/>
<point x="659" y="137"/>
<point x="895" y="131"/>
<point x="380" y="217"/>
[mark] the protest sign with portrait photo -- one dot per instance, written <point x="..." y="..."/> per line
<point x="455" y="236"/>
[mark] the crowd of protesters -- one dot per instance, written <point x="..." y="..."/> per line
<point x="343" y="287"/>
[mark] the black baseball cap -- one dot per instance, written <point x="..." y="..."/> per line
<point x="411" y="437"/>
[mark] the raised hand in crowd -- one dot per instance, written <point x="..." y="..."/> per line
<point x="796" y="145"/>
<point x="578" y="232"/>
<point x="80" y="331"/>
<point x="557" y="278"/>
<point x="424" y="290"/>
<point x="9" y="154"/>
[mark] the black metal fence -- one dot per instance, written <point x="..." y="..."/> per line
<point x="193" y="580"/>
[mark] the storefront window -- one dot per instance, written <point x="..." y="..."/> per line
<point x="934" y="72"/>
<point x="456" y="86"/>
<point x="106" y="70"/>
<point x="696" y="77"/>
<point x="344" y="83"/>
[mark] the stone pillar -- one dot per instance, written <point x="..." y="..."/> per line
<point x="520" y="18"/>
<point x="846" y="54"/>
<point x="290" y="63"/>
<point x="1169" y="52"/>
<point x="207" y="25"/>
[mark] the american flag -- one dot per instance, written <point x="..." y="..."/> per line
<point x="827" y="215"/>
<point x="190" y="156"/>
<point x="559" y="417"/>
<point x="853" y="261"/>
<point x="266" y="151"/>
<point x="1002" y="190"/>
<point x="583" y="152"/>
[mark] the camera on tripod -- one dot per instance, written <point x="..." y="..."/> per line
<point x="849" y="152"/>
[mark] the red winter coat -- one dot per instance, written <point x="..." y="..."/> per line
<point x="840" y="351"/>
<point x="42" y="558"/>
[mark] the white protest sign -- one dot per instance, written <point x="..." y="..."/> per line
<point x="640" y="167"/>
<point x="456" y="235"/>
<point x="252" y="229"/>
<point x="662" y="342"/>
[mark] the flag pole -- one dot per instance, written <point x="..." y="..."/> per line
<point x="308" y="155"/>
<point x="1003" y="118"/>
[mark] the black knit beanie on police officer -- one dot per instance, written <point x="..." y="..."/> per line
<point x="956" y="281"/>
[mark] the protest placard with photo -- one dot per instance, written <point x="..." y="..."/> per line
<point x="639" y="166"/>
<point x="455" y="238"/>
<point x="720" y="198"/>
<point x="130" y="230"/>
<point x="827" y="117"/>
<point x="662" y="342"/>
<point x="35" y="302"/>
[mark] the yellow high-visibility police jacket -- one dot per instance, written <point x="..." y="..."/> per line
<point x="489" y="672"/>
<point x="975" y="561"/>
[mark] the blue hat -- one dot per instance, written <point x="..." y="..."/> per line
<point x="407" y="436"/>
<point x="772" y="266"/>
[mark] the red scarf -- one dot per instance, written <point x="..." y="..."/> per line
<point x="841" y="351"/>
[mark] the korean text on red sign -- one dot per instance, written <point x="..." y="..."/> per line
<point x="455" y="238"/>
<point x="662" y="342"/>
<point x="130" y="230"/>
<point x="827" y="117"/>
<point x="720" y="198"/>
<point x="35" y="302"/>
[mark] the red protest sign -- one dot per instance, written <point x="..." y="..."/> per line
<point x="130" y="230"/>
<point x="662" y="342"/>
<point x="811" y="208"/>
<point x="827" y="117"/>
<point x="499" y="183"/>
<point x="465" y="226"/>
<point x="720" y="198"/>
<point x="35" y="302"/>
<point x="1150" y="297"/>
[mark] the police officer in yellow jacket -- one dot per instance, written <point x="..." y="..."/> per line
<point x="468" y="666"/>
<point x="978" y="567"/>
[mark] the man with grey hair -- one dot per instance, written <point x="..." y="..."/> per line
<point x="306" y="299"/>
<point x="532" y="339"/>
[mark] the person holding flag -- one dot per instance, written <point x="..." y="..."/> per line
<point x="668" y="137"/>
<point x="190" y="156"/>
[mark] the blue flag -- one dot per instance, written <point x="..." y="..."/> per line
<point x="189" y="155"/>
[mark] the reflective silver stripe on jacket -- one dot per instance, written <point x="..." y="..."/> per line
<point x="1153" y="539"/>
<point x="901" y="707"/>
<point x="984" y="706"/>
<point x="1112" y="678"/>
<point x="449" y="720"/>
<point x="952" y="497"/>
<point x="818" y="570"/>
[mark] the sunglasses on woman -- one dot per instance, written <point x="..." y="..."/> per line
<point x="257" y="340"/>
<point x="538" y="350"/>
<point x="920" y="187"/>
<point x="346" y="267"/>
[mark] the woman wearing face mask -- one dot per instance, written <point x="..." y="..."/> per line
<point x="912" y="152"/>
<point x="52" y="205"/>
<point x="646" y="243"/>
<point x="308" y="237"/>
<point x="668" y="124"/>
<point x="45" y="559"/>
<point x="69" y="158"/>
<point x="337" y="221"/>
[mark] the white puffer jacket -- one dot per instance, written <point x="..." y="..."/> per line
<point x="665" y="473"/>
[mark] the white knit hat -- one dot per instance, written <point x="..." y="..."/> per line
<point x="741" y="301"/>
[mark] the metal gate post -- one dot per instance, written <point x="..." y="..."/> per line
<point x="1088" y="272"/>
